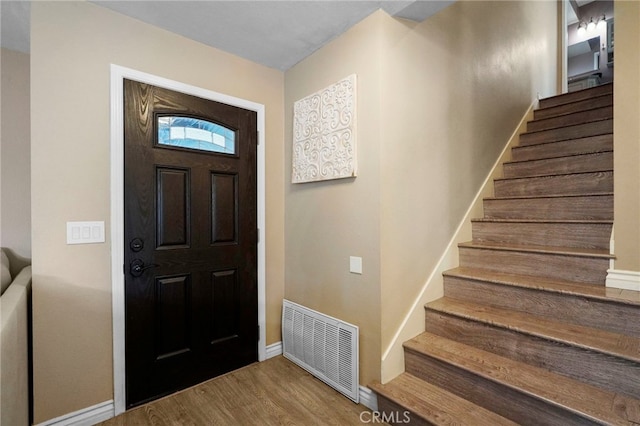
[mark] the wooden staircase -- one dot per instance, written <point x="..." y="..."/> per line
<point x="527" y="333"/>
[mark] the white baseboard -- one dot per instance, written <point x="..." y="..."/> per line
<point x="273" y="350"/>
<point x="626" y="280"/>
<point x="368" y="398"/>
<point x="85" y="417"/>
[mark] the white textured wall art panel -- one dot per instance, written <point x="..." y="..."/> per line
<point x="324" y="134"/>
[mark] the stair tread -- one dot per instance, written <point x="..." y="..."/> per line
<point x="527" y="197"/>
<point x="607" y="294"/>
<point x="571" y="97"/>
<point x="586" y="400"/>
<point x="558" y="149"/>
<point x="529" y="145"/>
<point x="573" y="113"/>
<point x="552" y="174"/>
<point x="601" y="95"/>
<point x="434" y="404"/>
<point x="569" y="251"/>
<point x="589" y="338"/>
<point x="607" y="99"/>
<point x="530" y="132"/>
<point x="560" y="157"/>
<point x="570" y="221"/>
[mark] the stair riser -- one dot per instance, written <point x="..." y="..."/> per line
<point x="588" y="366"/>
<point x="615" y="317"/>
<point x="564" y="133"/>
<point x="591" y="235"/>
<point x="559" y="149"/>
<point x="597" y="207"/>
<point x="572" y="184"/>
<point x="597" y="102"/>
<point x="576" y="96"/>
<point x="408" y="399"/>
<point x="571" y="119"/>
<point x="575" y="164"/>
<point x="587" y="270"/>
<point x="394" y="414"/>
<point x="493" y="396"/>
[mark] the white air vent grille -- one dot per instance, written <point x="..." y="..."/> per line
<point x="324" y="346"/>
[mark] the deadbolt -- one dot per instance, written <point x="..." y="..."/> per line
<point x="136" y="245"/>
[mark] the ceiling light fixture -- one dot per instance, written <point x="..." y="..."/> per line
<point x="582" y="29"/>
<point x="583" y="26"/>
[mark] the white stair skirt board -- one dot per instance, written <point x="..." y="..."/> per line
<point x="324" y="346"/>
<point x="626" y="280"/>
<point x="85" y="417"/>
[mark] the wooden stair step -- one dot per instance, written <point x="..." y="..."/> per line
<point x="593" y="128"/>
<point x="561" y="184"/>
<point x="567" y="251"/>
<point x="518" y="391"/>
<point x="562" y="287"/>
<point x="539" y="342"/>
<point x="591" y="144"/>
<point x="580" y="265"/>
<point x="580" y="163"/>
<point x="567" y="98"/>
<point x="589" y="338"/>
<point x="615" y="310"/>
<point x="578" y="117"/>
<point x="577" y="207"/>
<point x="567" y="233"/>
<point x="429" y="404"/>
<point x="581" y="105"/>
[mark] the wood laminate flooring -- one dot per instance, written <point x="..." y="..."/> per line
<point x="273" y="392"/>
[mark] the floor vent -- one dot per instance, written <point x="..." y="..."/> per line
<point x="324" y="346"/>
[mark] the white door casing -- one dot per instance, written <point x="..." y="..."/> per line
<point x="118" y="74"/>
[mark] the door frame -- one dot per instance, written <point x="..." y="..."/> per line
<point x="118" y="74"/>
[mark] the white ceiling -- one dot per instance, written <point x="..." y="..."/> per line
<point x="274" y="33"/>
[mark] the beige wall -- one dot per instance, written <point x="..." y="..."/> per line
<point x="15" y="175"/>
<point x="72" y="47"/>
<point x="326" y="222"/>
<point x="455" y="88"/>
<point x="437" y="102"/>
<point x="627" y="136"/>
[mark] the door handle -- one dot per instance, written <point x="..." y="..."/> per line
<point x="137" y="267"/>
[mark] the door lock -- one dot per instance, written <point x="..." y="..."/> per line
<point x="136" y="245"/>
<point x="137" y="267"/>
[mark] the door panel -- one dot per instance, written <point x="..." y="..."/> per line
<point x="224" y="193"/>
<point x="173" y="209"/>
<point x="190" y="240"/>
<point x="173" y="325"/>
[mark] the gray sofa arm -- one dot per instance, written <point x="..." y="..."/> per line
<point x="14" y="347"/>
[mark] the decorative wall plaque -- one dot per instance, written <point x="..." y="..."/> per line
<point x="324" y="134"/>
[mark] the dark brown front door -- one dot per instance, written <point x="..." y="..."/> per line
<point x="190" y="240"/>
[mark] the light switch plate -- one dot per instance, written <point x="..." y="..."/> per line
<point x="85" y="232"/>
<point x="355" y="265"/>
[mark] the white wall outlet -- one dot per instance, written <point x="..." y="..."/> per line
<point x="85" y="232"/>
<point x="355" y="265"/>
